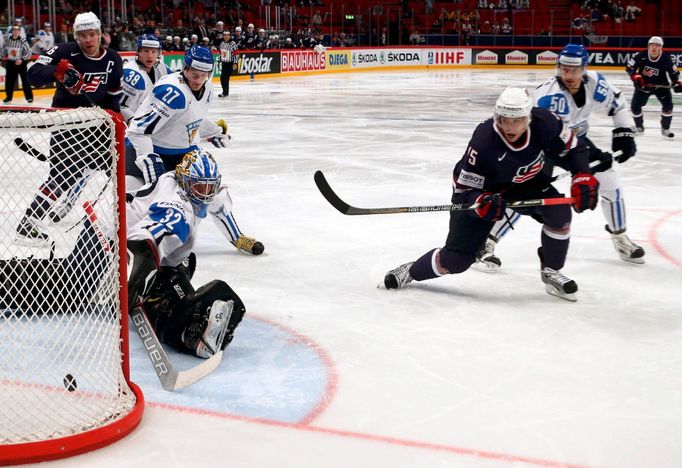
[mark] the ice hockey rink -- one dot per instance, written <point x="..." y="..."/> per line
<point x="471" y="370"/>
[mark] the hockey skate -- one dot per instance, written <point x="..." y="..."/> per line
<point x="640" y="129"/>
<point x="486" y="260"/>
<point x="627" y="250"/>
<point x="28" y="234"/>
<point x="398" y="277"/>
<point x="215" y="329"/>
<point x="667" y="133"/>
<point x="250" y="245"/>
<point x="556" y="283"/>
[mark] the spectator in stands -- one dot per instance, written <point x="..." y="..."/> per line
<point x="415" y="37"/>
<point x="317" y="19"/>
<point x="617" y="11"/>
<point x="177" y="44"/>
<point x="496" y="28"/>
<point x="486" y="28"/>
<point x="482" y="3"/>
<point x="126" y="38"/>
<point x="506" y="26"/>
<point x="168" y="44"/>
<point x="180" y="29"/>
<point x="238" y="37"/>
<point x="465" y="32"/>
<point x="216" y="35"/>
<point x="64" y="36"/>
<point x="200" y="29"/>
<point x="437" y="26"/>
<point x="288" y="44"/>
<point x="632" y="11"/>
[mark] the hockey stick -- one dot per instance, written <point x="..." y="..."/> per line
<point x="29" y="149"/>
<point x="170" y="378"/>
<point x="345" y="208"/>
<point x="593" y="164"/>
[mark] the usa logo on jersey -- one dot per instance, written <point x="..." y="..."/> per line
<point x="91" y="81"/>
<point x="528" y="172"/>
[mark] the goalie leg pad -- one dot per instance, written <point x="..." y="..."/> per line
<point x="206" y="338"/>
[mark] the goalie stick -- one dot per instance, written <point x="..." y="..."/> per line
<point x="170" y="378"/>
<point x="329" y="194"/>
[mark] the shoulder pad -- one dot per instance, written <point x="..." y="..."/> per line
<point x="170" y="95"/>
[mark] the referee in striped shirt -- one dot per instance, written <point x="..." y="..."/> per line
<point x="15" y="53"/>
<point x="228" y="47"/>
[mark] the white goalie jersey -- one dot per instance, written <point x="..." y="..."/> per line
<point x="599" y="94"/>
<point x="162" y="212"/>
<point x="137" y="84"/>
<point x="171" y="119"/>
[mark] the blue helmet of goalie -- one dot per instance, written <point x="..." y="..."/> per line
<point x="198" y="176"/>
<point x="199" y="58"/>
<point x="148" y="40"/>
<point x="574" y="55"/>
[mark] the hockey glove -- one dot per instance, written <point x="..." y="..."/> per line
<point x="220" y="141"/>
<point x="624" y="140"/>
<point x="491" y="206"/>
<point x="638" y="80"/>
<point x="677" y="87"/>
<point x="585" y="191"/>
<point x="67" y="75"/>
<point x="152" y="167"/>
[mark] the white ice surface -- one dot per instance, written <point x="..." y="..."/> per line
<point x="475" y="369"/>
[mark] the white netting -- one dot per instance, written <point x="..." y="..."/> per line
<point x="60" y="310"/>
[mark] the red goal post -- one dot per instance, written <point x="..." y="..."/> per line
<point x="65" y="383"/>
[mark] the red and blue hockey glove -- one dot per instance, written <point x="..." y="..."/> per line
<point x="67" y="75"/>
<point x="585" y="192"/>
<point x="491" y="206"/>
<point x="638" y="80"/>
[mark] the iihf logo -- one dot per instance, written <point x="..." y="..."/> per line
<point x="430" y="58"/>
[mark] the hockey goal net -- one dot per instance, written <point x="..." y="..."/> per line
<point x="64" y="377"/>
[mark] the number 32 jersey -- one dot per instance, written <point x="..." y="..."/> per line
<point x="171" y="120"/>
<point x="552" y="95"/>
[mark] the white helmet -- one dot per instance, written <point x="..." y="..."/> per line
<point x="656" y="40"/>
<point x="513" y="103"/>
<point x="86" y="21"/>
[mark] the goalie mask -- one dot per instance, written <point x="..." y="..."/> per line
<point x="198" y="176"/>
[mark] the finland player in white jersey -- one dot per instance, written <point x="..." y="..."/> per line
<point x="140" y="75"/>
<point x="169" y="123"/>
<point x="573" y="94"/>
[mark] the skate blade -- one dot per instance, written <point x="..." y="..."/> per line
<point x="485" y="267"/>
<point x="34" y="243"/>
<point x="636" y="261"/>
<point x="551" y="290"/>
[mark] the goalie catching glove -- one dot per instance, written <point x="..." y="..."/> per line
<point x="623" y="140"/>
<point x="491" y="206"/>
<point x="220" y="140"/>
<point x="67" y="75"/>
<point x="585" y="191"/>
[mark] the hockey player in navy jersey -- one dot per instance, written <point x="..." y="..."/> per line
<point x="87" y="75"/>
<point x="507" y="160"/>
<point x="572" y="95"/>
<point x="140" y="75"/>
<point x="169" y="123"/>
<point x="653" y="72"/>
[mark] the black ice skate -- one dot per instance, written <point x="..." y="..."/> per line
<point x="29" y="234"/>
<point x="398" y="277"/>
<point x="627" y="250"/>
<point x="486" y="260"/>
<point x="556" y="283"/>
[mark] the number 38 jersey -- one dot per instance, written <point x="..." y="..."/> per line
<point x="597" y="92"/>
<point x="137" y="84"/>
<point x="172" y="118"/>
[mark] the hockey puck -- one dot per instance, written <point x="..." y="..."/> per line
<point x="70" y="383"/>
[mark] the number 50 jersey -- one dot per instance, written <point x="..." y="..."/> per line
<point x="575" y="110"/>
